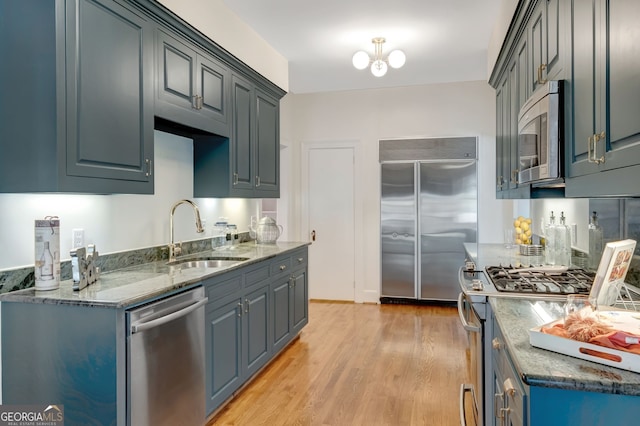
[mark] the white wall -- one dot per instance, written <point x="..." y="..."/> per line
<point x="499" y="32"/>
<point x="119" y="222"/>
<point x="215" y="20"/>
<point x="457" y="109"/>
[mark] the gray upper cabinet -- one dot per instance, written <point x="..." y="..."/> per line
<point x="545" y="36"/>
<point x="192" y="88"/>
<point x="82" y="119"/>
<point x="247" y="164"/>
<point x="604" y="153"/>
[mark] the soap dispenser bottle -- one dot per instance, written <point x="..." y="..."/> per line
<point x="596" y="242"/>
<point x="550" y="241"/>
<point x="563" y="242"/>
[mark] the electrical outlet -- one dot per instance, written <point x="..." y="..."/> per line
<point x="77" y="238"/>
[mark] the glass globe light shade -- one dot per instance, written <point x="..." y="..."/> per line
<point x="379" y="68"/>
<point x="360" y="60"/>
<point x="397" y="58"/>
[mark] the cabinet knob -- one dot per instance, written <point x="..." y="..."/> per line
<point x="300" y="259"/>
<point x="496" y="344"/>
<point x="283" y="267"/>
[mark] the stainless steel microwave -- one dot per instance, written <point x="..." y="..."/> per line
<point x="540" y="135"/>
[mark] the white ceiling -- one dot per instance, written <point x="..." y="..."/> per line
<point x="444" y="40"/>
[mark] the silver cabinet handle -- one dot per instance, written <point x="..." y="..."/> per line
<point x="246" y="306"/>
<point x="149" y="164"/>
<point x="591" y="154"/>
<point x="139" y="327"/>
<point x="257" y="181"/>
<point x="463" y="320"/>
<point x="541" y="68"/>
<point x="239" y="309"/>
<point x="300" y="259"/>
<point x="283" y="267"/>
<point x="235" y="178"/>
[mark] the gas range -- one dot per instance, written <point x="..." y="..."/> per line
<point x="507" y="281"/>
<point x="525" y="280"/>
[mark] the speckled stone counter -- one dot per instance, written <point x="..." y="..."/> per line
<point x="540" y="367"/>
<point x="135" y="284"/>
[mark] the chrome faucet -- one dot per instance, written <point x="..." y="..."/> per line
<point x="176" y="249"/>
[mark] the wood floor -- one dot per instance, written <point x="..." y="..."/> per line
<point x="360" y="364"/>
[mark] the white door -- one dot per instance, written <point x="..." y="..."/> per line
<point x="331" y="218"/>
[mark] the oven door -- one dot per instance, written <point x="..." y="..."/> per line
<point x="471" y="399"/>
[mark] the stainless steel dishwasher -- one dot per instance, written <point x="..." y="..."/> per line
<point x="165" y="361"/>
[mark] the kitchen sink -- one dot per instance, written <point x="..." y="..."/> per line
<point x="207" y="262"/>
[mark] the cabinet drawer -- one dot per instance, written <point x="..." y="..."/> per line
<point x="281" y="265"/>
<point x="299" y="259"/>
<point x="219" y="287"/>
<point x="257" y="274"/>
<point x="507" y="380"/>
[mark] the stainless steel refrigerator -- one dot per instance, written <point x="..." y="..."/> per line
<point x="428" y="210"/>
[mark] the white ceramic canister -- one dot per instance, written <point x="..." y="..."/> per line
<point x="47" y="253"/>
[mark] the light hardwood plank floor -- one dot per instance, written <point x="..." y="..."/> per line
<point x="360" y="364"/>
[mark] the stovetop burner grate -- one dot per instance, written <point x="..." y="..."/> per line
<point x="573" y="281"/>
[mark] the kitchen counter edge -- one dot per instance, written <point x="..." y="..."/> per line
<point x="131" y="286"/>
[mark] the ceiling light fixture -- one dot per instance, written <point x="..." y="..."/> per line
<point x="361" y="59"/>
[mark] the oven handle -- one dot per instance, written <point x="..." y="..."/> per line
<point x="141" y="326"/>
<point x="463" y="320"/>
<point x="464" y="388"/>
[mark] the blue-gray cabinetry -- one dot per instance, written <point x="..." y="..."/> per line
<point x="192" y="88"/>
<point x="604" y="152"/>
<point x="289" y="297"/>
<point x="76" y="111"/>
<point x="252" y="314"/>
<point x="520" y="404"/>
<point x="69" y="355"/>
<point x="247" y="164"/>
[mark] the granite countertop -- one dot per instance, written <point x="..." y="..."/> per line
<point x="135" y="284"/>
<point x="540" y="367"/>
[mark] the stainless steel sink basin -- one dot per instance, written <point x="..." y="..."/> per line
<point x="207" y="262"/>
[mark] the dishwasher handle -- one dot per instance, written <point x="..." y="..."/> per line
<point x="142" y="326"/>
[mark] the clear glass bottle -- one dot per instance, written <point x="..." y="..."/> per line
<point x="563" y="242"/>
<point x="596" y="242"/>
<point x="550" y="241"/>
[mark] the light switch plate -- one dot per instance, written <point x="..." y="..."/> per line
<point x="77" y="238"/>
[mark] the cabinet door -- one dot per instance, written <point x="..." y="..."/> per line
<point x="267" y="157"/>
<point x="255" y="346"/>
<point x="281" y="312"/>
<point x="109" y="92"/>
<point x="300" y="299"/>
<point x="555" y="39"/>
<point x="176" y="66"/>
<point x="622" y="83"/>
<point x="583" y="77"/>
<point x="501" y="160"/>
<point x="241" y="136"/>
<point x="222" y="339"/>
<point x="538" y="47"/>
<point x="213" y="81"/>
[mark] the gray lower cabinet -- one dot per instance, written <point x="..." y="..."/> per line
<point x="252" y="314"/>
<point x="517" y="403"/>
<point x="604" y="152"/>
<point x="192" y="88"/>
<point x="76" y="111"/>
<point x="64" y="354"/>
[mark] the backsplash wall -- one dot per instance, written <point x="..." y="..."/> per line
<point x="116" y="223"/>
